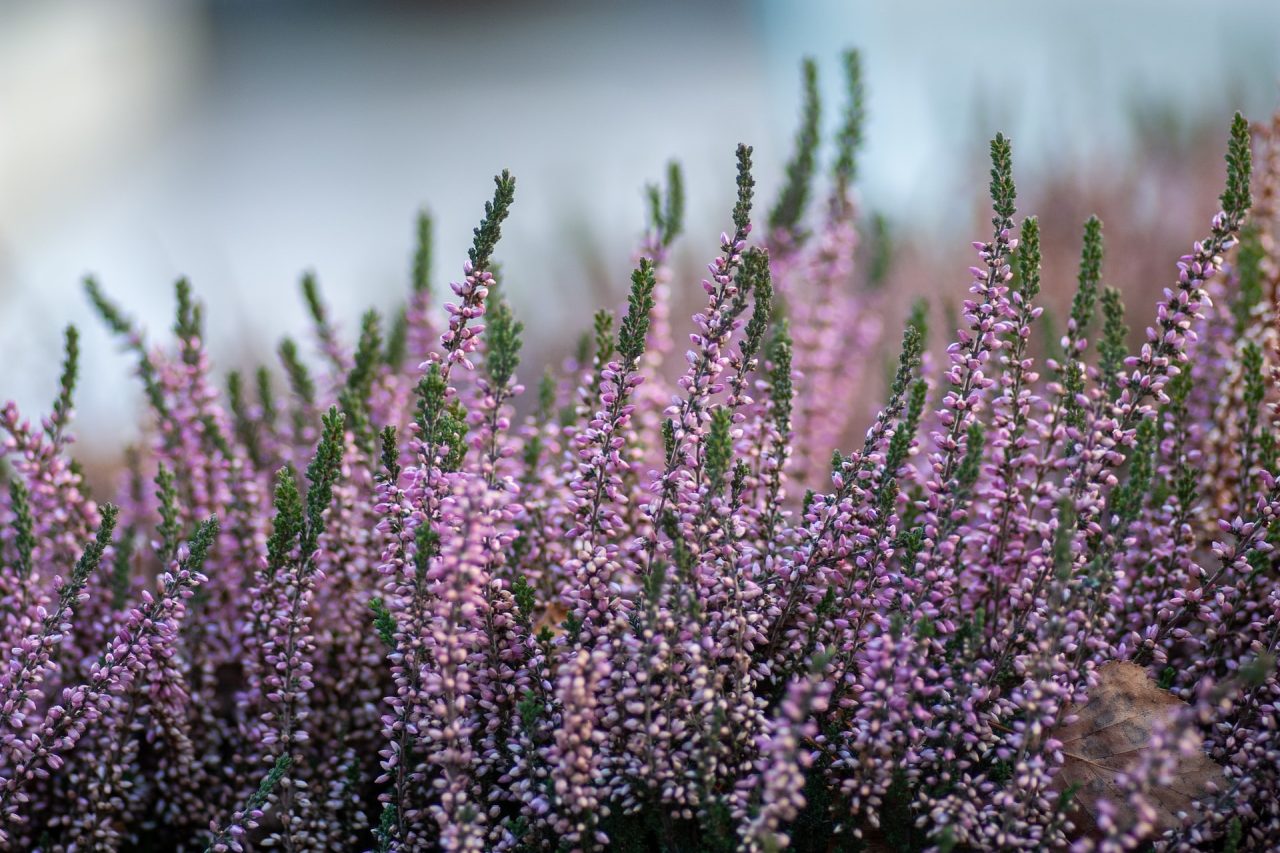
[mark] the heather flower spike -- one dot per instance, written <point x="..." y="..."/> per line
<point x="326" y="334"/>
<point x="790" y="207"/>
<point x="746" y="194"/>
<point x="1003" y="192"/>
<point x="300" y="381"/>
<point x="123" y="327"/>
<point x="490" y="228"/>
<point x="666" y="210"/>
<point x="1236" y="198"/>
<point x="730" y="598"/>
<point x="62" y="406"/>
<point x="423" y="253"/>
<point x="635" y="323"/>
<point x="1112" y="348"/>
<point x="850" y="139"/>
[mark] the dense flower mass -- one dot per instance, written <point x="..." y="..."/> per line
<point x="389" y="606"/>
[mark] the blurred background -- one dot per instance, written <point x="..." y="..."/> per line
<point x="240" y="142"/>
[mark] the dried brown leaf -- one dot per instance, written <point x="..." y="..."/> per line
<point x="1108" y="737"/>
<point x="551" y="617"/>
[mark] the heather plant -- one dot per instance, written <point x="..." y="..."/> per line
<point x="378" y="600"/>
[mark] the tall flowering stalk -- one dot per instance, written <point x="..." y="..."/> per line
<point x="596" y="488"/>
<point x="288" y="586"/>
<point x="414" y="515"/>
<point x="1013" y="432"/>
<point x="814" y="270"/>
<point x="959" y="437"/>
<point x="688" y="417"/>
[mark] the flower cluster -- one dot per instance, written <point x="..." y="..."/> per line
<point x="389" y="606"/>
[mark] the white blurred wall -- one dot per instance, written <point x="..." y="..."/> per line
<point x="239" y="143"/>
